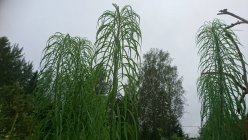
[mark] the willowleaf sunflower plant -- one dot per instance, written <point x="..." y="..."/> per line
<point x="69" y="105"/>
<point x="118" y="45"/>
<point x="221" y="83"/>
<point x="65" y="91"/>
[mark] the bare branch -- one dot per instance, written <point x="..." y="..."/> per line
<point x="236" y="23"/>
<point x="241" y="20"/>
<point x="224" y="11"/>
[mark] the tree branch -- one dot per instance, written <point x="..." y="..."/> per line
<point x="241" y="20"/>
<point x="236" y="23"/>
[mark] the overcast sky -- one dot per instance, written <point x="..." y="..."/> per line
<point x="170" y="25"/>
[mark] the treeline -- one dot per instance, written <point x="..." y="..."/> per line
<point x="91" y="91"/>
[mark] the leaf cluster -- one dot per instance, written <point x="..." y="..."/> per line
<point x="78" y="83"/>
<point x="219" y="85"/>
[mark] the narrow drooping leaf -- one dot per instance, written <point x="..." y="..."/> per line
<point x="117" y="43"/>
<point x="220" y="83"/>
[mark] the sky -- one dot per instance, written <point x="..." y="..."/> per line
<point x="170" y="25"/>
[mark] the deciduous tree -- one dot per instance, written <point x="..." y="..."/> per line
<point x="160" y="96"/>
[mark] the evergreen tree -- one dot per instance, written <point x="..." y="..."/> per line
<point x="13" y="67"/>
<point x="17" y="82"/>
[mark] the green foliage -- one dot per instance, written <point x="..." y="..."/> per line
<point x="78" y="84"/>
<point x="117" y="42"/>
<point x="13" y="67"/>
<point x="87" y="91"/>
<point x="161" y="96"/>
<point x="66" y="91"/>
<point x="16" y="86"/>
<point x="16" y="118"/>
<point x="220" y="83"/>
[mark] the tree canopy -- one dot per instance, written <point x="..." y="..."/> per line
<point x="160" y="98"/>
<point x="17" y="83"/>
<point x="13" y="67"/>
